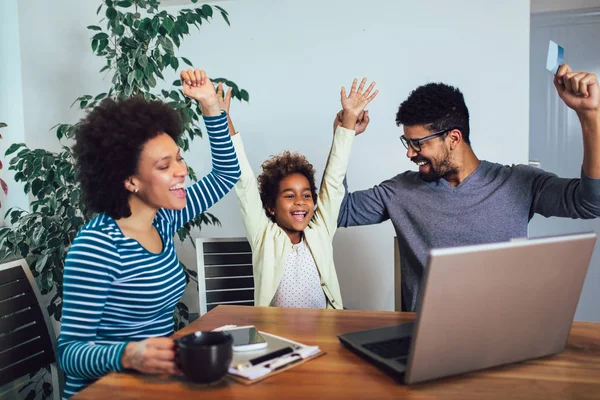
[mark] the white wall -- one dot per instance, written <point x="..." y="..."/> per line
<point x="57" y="65"/>
<point x="11" y="101"/>
<point x="294" y="62"/>
<point x="293" y="56"/>
<point x="555" y="131"/>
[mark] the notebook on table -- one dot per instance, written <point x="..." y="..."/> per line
<point x="280" y="355"/>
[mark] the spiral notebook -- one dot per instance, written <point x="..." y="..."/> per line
<point x="298" y="354"/>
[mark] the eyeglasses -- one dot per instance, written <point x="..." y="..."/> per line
<point x="416" y="143"/>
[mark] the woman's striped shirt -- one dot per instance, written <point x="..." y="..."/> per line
<point x="116" y="291"/>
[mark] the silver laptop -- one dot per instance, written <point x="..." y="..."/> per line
<point x="485" y="305"/>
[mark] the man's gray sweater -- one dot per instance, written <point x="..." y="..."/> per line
<point x="493" y="204"/>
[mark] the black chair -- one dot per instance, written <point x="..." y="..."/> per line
<point x="397" y="278"/>
<point x="27" y="340"/>
<point x="224" y="272"/>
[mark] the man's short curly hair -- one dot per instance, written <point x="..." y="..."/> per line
<point x="437" y="105"/>
<point x="109" y="142"/>
<point x="278" y="167"/>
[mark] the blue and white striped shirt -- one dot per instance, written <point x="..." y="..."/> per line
<point x="115" y="291"/>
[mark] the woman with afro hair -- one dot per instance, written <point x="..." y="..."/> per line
<point x="122" y="278"/>
<point x="291" y="238"/>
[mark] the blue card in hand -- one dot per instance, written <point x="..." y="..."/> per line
<point x="556" y="56"/>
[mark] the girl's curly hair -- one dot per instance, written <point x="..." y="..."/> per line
<point x="278" y="167"/>
<point x="109" y="141"/>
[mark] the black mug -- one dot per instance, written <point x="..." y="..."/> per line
<point x="204" y="357"/>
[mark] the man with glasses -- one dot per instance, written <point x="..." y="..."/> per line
<point x="455" y="198"/>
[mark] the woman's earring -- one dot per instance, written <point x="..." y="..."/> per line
<point x="136" y="190"/>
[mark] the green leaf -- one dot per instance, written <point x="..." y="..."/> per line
<point x="41" y="262"/>
<point x="100" y="36"/>
<point x="103" y="44"/>
<point x="130" y="77"/>
<point x="138" y="75"/>
<point x="119" y="30"/>
<point x="94" y="28"/>
<point x="155" y="24"/>
<point x="46" y="222"/>
<point x="168" y="24"/>
<point x="54" y="242"/>
<point x="36" y="186"/>
<point x="48" y="162"/>
<point x="74" y="197"/>
<point x="125" y="3"/>
<point x="175" y="63"/>
<point x="151" y="81"/>
<point x="226" y="18"/>
<point x="111" y="13"/>
<point x="38" y="234"/>
<point x="166" y="59"/>
<point x="168" y="46"/>
<point x="58" y="313"/>
<point x="14" y="147"/>
<point x="94" y="45"/>
<point x="223" y="11"/>
<point x="143" y="60"/>
<point x="129" y="42"/>
<point x="207" y="10"/>
<point x="98" y="10"/>
<point x="188" y="62"/>
<point x="149" y="70"/>
<point x="3" y="125"/>
<point x="244" y="95"/>
<point x="62" y="131"/>
<point x="47" y="285"/>
<point x="175" y="38"/>
<point x="100" y="96"/>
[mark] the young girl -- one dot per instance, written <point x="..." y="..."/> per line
<point x="122" y="279"/>
<point x="292" y="252"/>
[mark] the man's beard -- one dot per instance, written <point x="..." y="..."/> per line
<point x="435" y="173"/>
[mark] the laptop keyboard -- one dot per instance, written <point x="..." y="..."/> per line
<point x="393" y="348"/>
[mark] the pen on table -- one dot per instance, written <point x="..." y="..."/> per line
<point x="269" y="356"/>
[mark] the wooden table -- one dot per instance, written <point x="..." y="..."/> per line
<point x="341" y="374"/>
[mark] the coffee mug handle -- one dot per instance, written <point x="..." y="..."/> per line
<point x="177" y="357"/>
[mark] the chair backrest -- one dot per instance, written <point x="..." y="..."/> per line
<point x="27" y="340"/>
<point x="224" y="272"/>
<point x="397" y="278"/>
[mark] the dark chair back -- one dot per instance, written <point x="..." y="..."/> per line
<point x="224" y="272"/>
<point x="27" y="340"/>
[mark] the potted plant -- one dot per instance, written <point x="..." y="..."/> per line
<point x="138" y="42"/>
